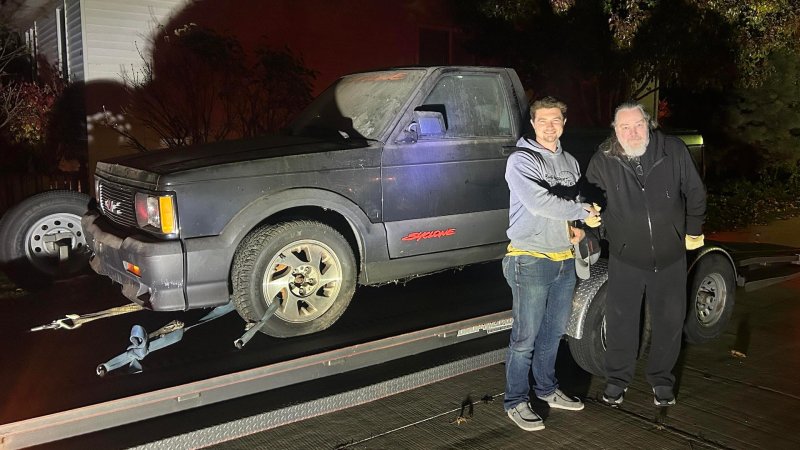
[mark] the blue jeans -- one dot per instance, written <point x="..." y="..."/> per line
<point x="542" y="291"/>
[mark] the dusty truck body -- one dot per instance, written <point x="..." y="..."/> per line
<point x="388" y="175"/>
<point x="368" y="186"/>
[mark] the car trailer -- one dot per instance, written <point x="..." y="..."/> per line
<point x="89" y="419"/>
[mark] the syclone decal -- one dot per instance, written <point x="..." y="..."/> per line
<point x="420" y="235"/>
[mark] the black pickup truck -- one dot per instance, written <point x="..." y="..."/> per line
<point x="387" y="175"/>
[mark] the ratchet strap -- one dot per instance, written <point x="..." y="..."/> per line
<point x="143" y="343"/>
<point x="72" y="321"/>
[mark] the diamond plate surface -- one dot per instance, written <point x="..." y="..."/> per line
<point x="261" y="422"/>
<point x="584" y="294"/>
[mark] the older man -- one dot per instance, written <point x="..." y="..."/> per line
<point x="539" y="265"/>
<point x="655" y="206"/>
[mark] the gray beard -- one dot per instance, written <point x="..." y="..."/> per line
<point x="635" y="152"/>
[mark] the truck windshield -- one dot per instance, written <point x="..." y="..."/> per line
<point x="357" y="106"/>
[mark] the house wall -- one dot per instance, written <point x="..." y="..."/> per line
<point x="47" y="38"/>
<point x="116" y="33"/>
<point x="116" y="38"/>
<point x="74" y="40"/>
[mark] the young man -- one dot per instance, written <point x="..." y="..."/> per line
<point x="655" y="207"/>
<point x="539" y="265"/>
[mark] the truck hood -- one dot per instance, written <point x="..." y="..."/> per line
<point x="164" y="162"/>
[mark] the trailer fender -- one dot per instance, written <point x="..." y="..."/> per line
<point x="584" y="294"/>
<point x="693" y="259"/>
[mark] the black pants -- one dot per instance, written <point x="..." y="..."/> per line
<point x="665" y="294"/>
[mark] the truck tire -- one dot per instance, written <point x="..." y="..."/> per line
<point x="711" y="297"/>
<point x="41" y="238"/>
<point x="590" y="351"/>
<point x="306" y="266"/>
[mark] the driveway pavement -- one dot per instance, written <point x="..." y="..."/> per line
<point x="785" y="232"/>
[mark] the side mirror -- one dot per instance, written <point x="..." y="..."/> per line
<point x="430" y="123"/>
<point x="410" y="134"/>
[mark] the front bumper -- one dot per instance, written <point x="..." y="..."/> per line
<point x="161" y="285"/>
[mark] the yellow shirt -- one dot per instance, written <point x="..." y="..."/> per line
<point x="553" y="256"/>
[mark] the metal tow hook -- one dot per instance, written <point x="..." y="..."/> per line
<point x="254" y="327"/>
<point x="72" y="321"/>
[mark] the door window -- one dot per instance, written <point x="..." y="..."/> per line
<point x="473" y="105"/>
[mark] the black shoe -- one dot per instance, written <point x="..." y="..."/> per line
<point x="613" y="395"/>
<point x="663" y="396"/>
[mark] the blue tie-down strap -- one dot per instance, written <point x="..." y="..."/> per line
<point x="141" y="346"/>
<point x="143" y="343"/>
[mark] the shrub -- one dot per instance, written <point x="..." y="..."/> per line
<point x="736" y="203"/>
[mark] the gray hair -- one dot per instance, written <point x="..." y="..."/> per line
<point x="612" y="145"/>
<point x="630" y="104"/>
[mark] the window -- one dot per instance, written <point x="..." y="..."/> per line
<point x="473" y="105"/>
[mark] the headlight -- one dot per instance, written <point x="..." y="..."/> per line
<point x="156" y="212"/>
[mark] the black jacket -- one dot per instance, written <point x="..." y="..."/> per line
<point x="646" y="223"/>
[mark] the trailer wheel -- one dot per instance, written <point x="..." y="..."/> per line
<point x="306" y="266"/>
<point x="711" y="297"/>
<point x="41" y="238"/>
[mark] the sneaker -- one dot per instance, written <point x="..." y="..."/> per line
<point x="525" y="417"/>
<point x="663" y="396"/>
<point x="613" y="396"/>
<point x="560" y="400"/>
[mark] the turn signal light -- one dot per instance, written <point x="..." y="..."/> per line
<point x="167" y="210"/>
<point x="132" y="268"/>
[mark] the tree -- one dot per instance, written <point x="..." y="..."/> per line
<point x="757" y="27"/>
<point x="32" y="114"/>
<point x="179" y="91"/>
<point x="277" y="86"/>
<point x="763" y="122"/>
<point x="27" y="107"/>
<point x="201" y="86"/>
<point x="569" y="55"/>
<point x="13" y="53"/>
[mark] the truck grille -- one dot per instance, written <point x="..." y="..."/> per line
<point x="117" y="203"/>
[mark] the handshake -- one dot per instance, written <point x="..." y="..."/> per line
<point x="593" y="221"/>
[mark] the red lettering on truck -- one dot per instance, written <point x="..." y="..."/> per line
<point x="420" y="235"/>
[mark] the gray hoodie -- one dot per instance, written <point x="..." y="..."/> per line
<point x="538" y="212"/>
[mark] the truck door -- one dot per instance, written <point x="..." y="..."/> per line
<point x="448" y="191"/>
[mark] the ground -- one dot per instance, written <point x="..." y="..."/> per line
<point x="8" y="289"/>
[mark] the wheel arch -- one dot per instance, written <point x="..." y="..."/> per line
<point x="324" y="206"/>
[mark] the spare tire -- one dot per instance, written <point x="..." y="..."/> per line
<point x="41" y="238"/>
